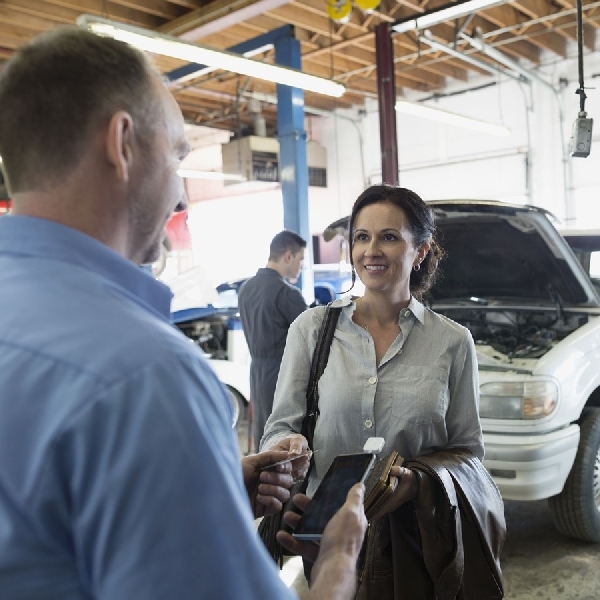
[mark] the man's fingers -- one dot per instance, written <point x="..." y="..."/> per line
<point x="356" y="495"/>
<point x="301" y="501"/>
<point x="308" y="550"/>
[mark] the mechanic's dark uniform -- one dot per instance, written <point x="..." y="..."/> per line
<point x="268" y="304"/>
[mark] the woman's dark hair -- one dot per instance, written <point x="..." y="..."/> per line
<point x="421" y="223"/>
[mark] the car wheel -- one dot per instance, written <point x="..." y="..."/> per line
<point x="238" y="404"/>
<point x="576" y="510"/>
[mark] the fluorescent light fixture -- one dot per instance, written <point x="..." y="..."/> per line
<point x="216" y="175"/>
<point x="167" y="45"/>
<point x="427" y="38"/>
<point x="206" y="70"/>
<point x="435" y="114"/>
<point x="446" y="13"/>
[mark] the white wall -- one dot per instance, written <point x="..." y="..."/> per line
<point x="531" y="165"/>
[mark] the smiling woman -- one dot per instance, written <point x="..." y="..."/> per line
<point x="396" y="369"/>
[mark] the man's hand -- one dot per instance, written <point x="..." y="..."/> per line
<point x="267" y="490"/>
<point x="334" y="572"/>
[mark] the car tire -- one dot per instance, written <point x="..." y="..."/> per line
<point x="576" y="510"/>
<point x="238" y="404"/>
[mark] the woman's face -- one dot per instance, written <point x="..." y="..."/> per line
<point x="383" y="249"/>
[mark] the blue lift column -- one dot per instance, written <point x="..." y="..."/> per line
<point x="293" y="165"/>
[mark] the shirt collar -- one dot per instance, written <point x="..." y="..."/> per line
<point x="41" y="238"/>
<point x="417" y="309"/>
<point x="414" y="306"/>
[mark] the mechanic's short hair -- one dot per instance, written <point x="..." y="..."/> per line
<point x="285" y="240"/>
<point x="54" y="94"/>
<point x="422" y="226"/>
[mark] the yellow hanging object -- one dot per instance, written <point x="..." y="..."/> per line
<point x="367" y="5"/>
<point x="339" y="11"/>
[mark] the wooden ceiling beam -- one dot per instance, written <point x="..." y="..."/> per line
<point x="445" y="69"/>
<point x="216" y="16"/>
<point x="518" y="48"/>
<point x="189" y="4"/>
<point x="288" y="14"/>
<point x="158" y="8"/>
<point x="14" y="37"/>
<point x="35" y="25"/>
<point x="507" y="15"/>
<point x="117" y="12"/>
<point x="36" y="9"/>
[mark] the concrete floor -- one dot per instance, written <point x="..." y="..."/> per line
<point x="538" y="563"/>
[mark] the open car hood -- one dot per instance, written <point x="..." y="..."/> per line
<point x="502" y="252"/>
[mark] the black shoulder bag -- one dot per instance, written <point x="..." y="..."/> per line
<point x="270" y="525"/>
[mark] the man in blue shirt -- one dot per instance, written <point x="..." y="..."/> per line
<point x="119" y="471"/>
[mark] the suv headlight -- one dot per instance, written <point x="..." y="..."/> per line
<point x="517" y="399"/>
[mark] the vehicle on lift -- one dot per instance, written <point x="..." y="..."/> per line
<point x="210" y="318"/>
<point x="534" y="313"/>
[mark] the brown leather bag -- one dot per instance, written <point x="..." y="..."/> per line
<point x="443" y="545"/>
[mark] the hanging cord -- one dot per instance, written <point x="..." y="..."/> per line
<point x="581" y="90"/>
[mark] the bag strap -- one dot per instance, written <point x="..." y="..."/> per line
<point x="319" y="362"/>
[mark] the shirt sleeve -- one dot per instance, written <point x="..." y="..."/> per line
<point x="462" y="417"/>
<point x="290" y="302"/>
<point x="159" y="508"/>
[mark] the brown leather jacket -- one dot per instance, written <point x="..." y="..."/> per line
<point x="443" y="545"/>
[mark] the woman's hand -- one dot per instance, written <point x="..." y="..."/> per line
<point x="295" y="444"/>
<point x="407" y="489"/>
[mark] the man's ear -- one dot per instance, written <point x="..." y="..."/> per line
<point x="119" y="141"/>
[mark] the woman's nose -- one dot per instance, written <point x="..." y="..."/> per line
<point x="373" y="247"/>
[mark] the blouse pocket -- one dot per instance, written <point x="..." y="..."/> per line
<point x="420" y="395"/>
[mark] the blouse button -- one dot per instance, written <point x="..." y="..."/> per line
<point x="372" y="380"/>
<point x="368" y="424"/>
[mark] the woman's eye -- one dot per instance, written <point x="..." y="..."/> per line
<point x="389" y="237"/>
<point x="360" y="237"/>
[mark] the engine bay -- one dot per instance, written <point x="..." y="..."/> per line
<point x="517" y="334"/>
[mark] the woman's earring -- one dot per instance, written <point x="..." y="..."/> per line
<point x="417" y="267"/>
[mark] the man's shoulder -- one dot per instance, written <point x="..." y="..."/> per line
<point x="85" y="322"/>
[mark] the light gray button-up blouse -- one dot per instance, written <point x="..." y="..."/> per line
<point x="422" y="397"/>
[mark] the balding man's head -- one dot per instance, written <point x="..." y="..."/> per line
<point x="57" y="91"/>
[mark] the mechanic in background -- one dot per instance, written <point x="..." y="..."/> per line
<point x="268" y="304"/>
<point x="120" y="475"/>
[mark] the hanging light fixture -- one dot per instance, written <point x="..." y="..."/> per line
<point x="444" y="13"/>
<point x="166" y="45"/>
<point x="443" y="116"/>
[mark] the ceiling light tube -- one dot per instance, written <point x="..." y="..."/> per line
<point x="446" y="13"/>
<point x="443" y="116"/>
<point x="167" y="45"/>
<point x="478" y="43"/>
<point x="427" y="38"/>
<point x="215" y="175"/>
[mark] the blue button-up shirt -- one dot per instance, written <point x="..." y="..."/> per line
<point x="119" y="470"/>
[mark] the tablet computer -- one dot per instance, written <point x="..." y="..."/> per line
<point x="344" y="472"/>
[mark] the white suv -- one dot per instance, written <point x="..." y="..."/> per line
<point x="534" y="314"/>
